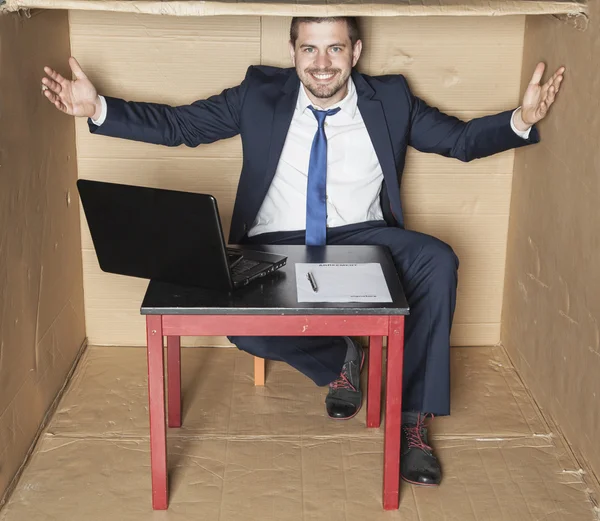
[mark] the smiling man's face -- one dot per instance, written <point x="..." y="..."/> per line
<point x="324" y="56"/>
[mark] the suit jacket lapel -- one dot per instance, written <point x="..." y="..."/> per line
<point x="373" y="115"/>
<point x="375" y="122"/>
<point x="282" y="118"/>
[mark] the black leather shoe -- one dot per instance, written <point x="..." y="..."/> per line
<point x="418" y="464"/>
<point x="344" y="398"/>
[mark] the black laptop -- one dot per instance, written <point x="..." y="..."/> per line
<point x="167" y="235"/>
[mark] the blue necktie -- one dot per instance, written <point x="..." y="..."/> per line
<point x="316" y="203"/>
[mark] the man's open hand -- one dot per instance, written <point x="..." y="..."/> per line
<point x="538" y="98"/>
<point x="76" y="97"/>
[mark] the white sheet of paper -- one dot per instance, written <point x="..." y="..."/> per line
<point x="362" y="282"/>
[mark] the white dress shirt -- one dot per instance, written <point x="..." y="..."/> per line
<point x="354" y="176"/>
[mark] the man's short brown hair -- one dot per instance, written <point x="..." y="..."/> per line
<point x="351" y="23"/>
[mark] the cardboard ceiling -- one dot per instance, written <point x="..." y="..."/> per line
<point x="569" y="8"/>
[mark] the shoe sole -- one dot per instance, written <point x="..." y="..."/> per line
<point x="362" y="363"/>
<point x="420" y="484"/>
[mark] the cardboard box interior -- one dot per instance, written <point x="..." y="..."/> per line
<point x="551" y="308"/>
<point x="522" y="223"/>
<point x="467" y="205"/>
<point x="42" y="324"/>
<point x="270" y="453"/>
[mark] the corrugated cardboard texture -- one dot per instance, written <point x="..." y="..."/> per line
<point x="41" y="297"/>
<point x="164" y="60"/>
<point x="248" y="453"/>
<point x="291" y="479"/>
<point x="552" y="303"/>
<point x="178" y="60"/>
<point x="108" y="398"/>
<point x="317" y="7"/>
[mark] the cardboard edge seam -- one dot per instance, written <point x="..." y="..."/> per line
<point x="588" y="475"/>
<point x="572" y="9"/>
<point x="44" y="424"/>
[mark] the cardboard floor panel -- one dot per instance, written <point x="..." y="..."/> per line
<point x="108" y="398"/>
<point x="297" y="478"/>
<point x="488" y="398"/>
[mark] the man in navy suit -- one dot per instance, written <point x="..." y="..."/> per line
<point x="324" y="149"/>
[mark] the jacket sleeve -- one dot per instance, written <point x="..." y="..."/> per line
<point x="436" y="132"/>
<point x="203" y="121"/>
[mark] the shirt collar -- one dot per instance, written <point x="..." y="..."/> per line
<point x="348" y="104"/>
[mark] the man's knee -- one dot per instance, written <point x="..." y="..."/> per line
<point x="250" y="344"/>
<point x="440" y="257"/>
<point x="446" y="255"/>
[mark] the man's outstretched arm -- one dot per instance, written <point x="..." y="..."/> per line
<point x="436" y="132"/>
<point x="204" y="121"/>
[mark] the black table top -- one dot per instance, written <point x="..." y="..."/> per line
<point x="276" y="293"/>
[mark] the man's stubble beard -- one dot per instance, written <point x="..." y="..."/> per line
<point x="324" y="94"/>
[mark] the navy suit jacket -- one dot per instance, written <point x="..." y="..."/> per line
<point x="260" y="109"/>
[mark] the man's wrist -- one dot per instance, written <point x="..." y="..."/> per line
<point x="98" y="111"/>
<point x="519" y="123"/>
<point x="100" y="116"/>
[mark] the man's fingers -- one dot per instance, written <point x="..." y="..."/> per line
<point x="552" y="83"/>
<point x="51" y="96"/>
<point x="558" y="82"/>
<point x="537" y="74"/>
<point x="61" y="106"/>
<point x="54" y="75"/>
<point x="52" y="85"/>
<point x="552" y="86"/>
<point x="76" y="68"/>
<point x="55" y="100"/>
<point x="559" y="72"/>
<point x="557" y="77"/>
<point x="549" y="83"/>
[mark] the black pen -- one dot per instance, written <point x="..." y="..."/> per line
<point x="313" y="282"/>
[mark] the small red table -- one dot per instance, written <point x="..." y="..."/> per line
<point x="270" y="305"/>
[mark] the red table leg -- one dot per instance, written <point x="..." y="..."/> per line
<point x="374" y="382"/>
<point x="156" y="395"/>
<point x="174" y="380"/>
<point x="393" y="413"/>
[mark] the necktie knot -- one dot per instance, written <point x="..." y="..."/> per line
<point x="322" y="114"/>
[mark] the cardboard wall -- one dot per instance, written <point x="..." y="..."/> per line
<point x="552" y="300"/>
<point x="177" y="60"/>
<point x="41" y="300"/>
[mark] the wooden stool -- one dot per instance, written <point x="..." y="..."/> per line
<point x="259" y="370"/>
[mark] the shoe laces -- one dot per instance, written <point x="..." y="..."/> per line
<point x="342" y="382"/>
<point x="415" y="434"/>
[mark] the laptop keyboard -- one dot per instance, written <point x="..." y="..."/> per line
<point x="243" y="265"/>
